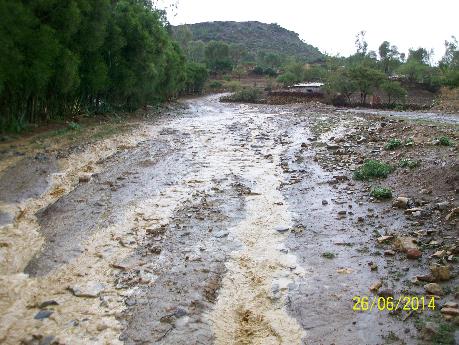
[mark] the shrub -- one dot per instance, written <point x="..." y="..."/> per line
<point x="393" y="144"/>
<point x="381" y="193"/>
<point x="233" y="85"/>
<point x="328" y="255"/>
<point x="73" y="126"/>
<point x="409" y="142"/>
<point x="215" y="84"/>
<point x="247" y="94"/>
<point x="372" y="169"/>
<point x="408" y="163"/>
<point x="444" y="141"/>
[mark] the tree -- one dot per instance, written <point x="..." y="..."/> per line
<point x="236" y="52"/>
<point x="287" y="79"/>
<point x="196" y="51"/>
<point x="366" y="79"/>
<point x="217" y="57"/>
<point x="240" y="70"/>
<point x="341" y="83"/>
<point x="389" y="57"/>
<point x="196" y="76"/>
<point x="361" y="43"/>
<point x="273" y="60"/>
<point x="61" y="58"/>
<point x="394" y="91"/>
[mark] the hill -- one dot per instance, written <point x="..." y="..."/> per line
<point x="256" y="37"/>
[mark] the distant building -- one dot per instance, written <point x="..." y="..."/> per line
<point x="308" y="88"/>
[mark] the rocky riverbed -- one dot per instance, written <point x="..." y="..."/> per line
<point x="222" y="223"/>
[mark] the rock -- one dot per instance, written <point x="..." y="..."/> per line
<point x="450" y="311"/>
<point x="84" y="178"/>
<point x="442" y="205"/>
<point x="440" y="273"/>
<point x="47" y="304"/>
<point x="389" y="252"/>
<point x="404" y="243"/>
<point x="439" y="254"/>
<point x="221" y="234"/>
<point x="281" y="228"/>
<point x="429" y="330"/>
<point x="434" y="289"/>
<point x="43" y="314"/>
<point x="401" y="202"/>
<point x="451" y="305"/>
<point x="426" y="278"/>
<point x="413" y="210"/>
<point x="332" y="147"/>
<point x="453" y="214"/>
<point x="384" y="239"/>
<point x="413" y="253"/>
<point x="324" y="202"/>
<point x="91" y="289"/>
<point x="376" y="286"/>
<point x="386" y="293"/>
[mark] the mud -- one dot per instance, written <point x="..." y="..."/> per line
<point x="209" y="226"/>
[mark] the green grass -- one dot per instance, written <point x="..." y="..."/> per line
<point x="393" y="144"/>
<point x="408" y="163"/>
<point x="445" y="335"/>
<point x="372" y="169"/>
<point x="329" y="255"/>
<point x="381" y="193"/>
<point x="444" y="141"/>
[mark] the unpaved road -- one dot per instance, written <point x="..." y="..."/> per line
<point x="203" y="228"/>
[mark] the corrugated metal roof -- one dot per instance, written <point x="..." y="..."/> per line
<point x="308" y="85"/>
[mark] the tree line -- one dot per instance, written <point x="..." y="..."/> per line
<point x="60" y="58"/>
<point x="387" y="70"/>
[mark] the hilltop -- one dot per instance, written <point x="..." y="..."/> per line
<point x="256" y="37"/>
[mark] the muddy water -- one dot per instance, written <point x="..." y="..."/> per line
<point x="204" y="228"/>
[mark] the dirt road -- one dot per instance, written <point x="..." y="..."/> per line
<point x="210" y="226"/>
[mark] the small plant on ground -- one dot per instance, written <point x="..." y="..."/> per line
<point x="73" y="126"/>
<point x="409" y="142"/>
<point x="393" y="144"/>
<point x="329" y="255"/>
<point x="444" y="141"/>
<point x="372" y="169"/>
<point x="381" y="193"/>
<point x="409" y="163"/>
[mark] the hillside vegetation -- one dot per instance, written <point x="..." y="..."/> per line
<point x="256" y="38"/>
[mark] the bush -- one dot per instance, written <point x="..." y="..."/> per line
<point x="381" y="193"/>
<point x="393" y="144"/>
<point x="328" y="255"/>
<point x="409" y="163"/>
<point x="233" y="85"/>
<point x="215" y="84"/>
<point x="73" y="126"/>
<point x="372" y="169"/>
<point x="248" y="94"/>
<point x="444" y="141"/>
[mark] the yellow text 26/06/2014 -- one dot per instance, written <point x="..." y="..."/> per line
<point x="407" y="303"/>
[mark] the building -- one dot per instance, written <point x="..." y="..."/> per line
<point x="308" y="88"/>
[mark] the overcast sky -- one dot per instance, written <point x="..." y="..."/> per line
<point x="331" y="25"/>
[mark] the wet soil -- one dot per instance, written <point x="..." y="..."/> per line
<point x="227" y="224"/>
